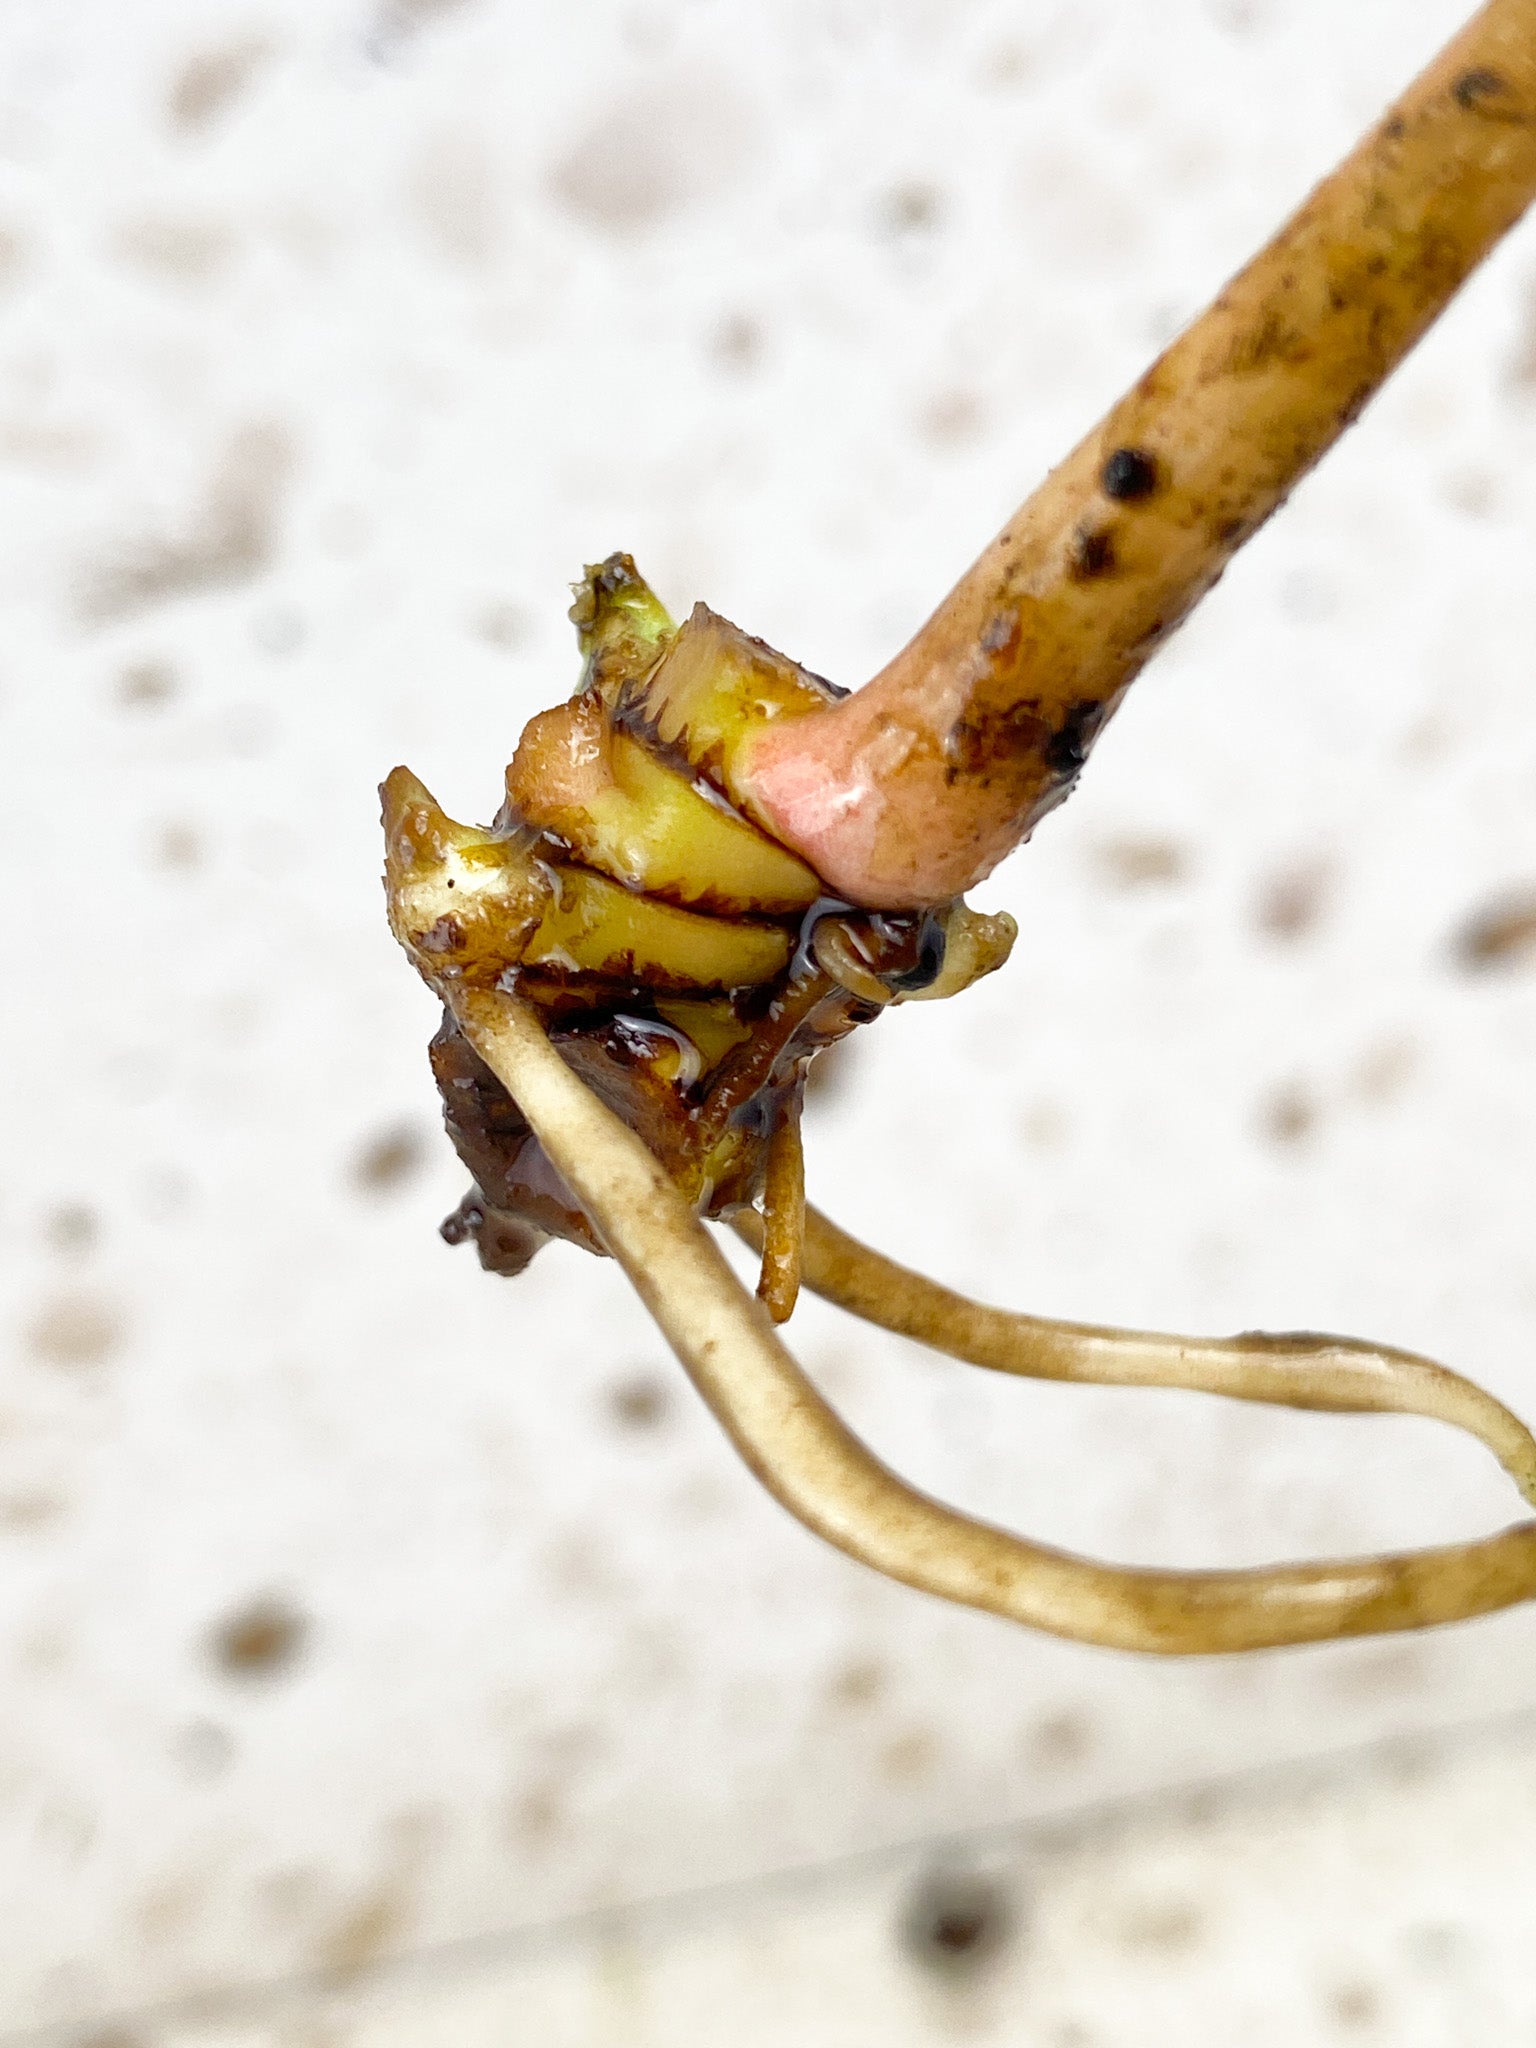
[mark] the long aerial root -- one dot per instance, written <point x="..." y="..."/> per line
<point x="814" y="1465"/>
<point x="1291" y="1368"/>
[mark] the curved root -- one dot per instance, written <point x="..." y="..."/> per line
<point x="1290" y="1368"/>
<point x="815" y="1466"/>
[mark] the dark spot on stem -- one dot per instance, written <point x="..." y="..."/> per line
<point x="1129" y="474"/>
<point x="1067" y="748"/>
<point x="1271" y="341"/>
<point x="994" y="739"/>
<point x="1481" y="91"/>
<point x="1093" y="554"/>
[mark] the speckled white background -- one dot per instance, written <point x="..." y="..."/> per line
<point x="354" y="1603"/>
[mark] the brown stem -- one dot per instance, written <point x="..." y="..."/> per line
<point x="916" y="786"/>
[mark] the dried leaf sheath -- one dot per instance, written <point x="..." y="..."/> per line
<point x="807" y="1457"/>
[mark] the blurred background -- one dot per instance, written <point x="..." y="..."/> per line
<point x="395" y="1655"/>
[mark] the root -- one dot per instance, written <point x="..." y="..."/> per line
<point x="1290" y="1368"/>
<point x="813" y="1464"/>
<point x="783" y="1232"/>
